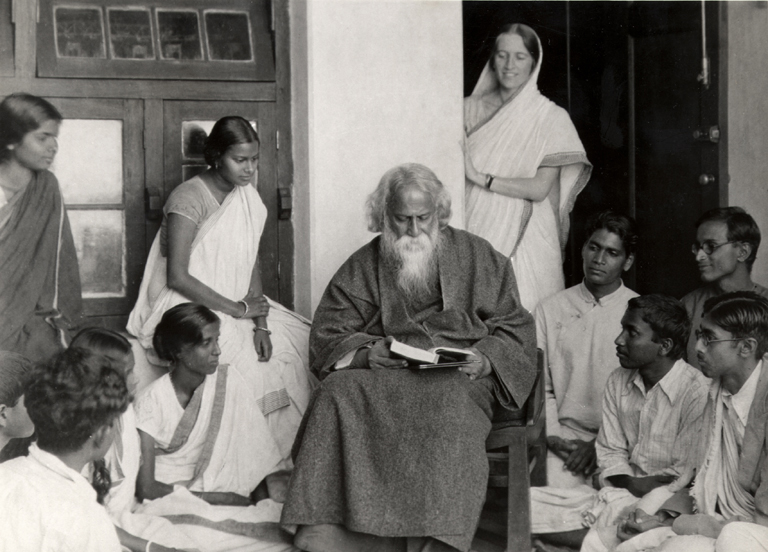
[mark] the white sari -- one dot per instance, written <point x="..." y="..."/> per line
<point x="222" y="257"/>
<point x="226" y="416"/>
<point x="525" y="133"/>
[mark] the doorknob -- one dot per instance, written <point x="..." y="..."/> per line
<point x="706" y="179"/>
<point x="711" y="134"/>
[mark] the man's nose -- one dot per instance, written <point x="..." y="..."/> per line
<point x="600" y="257"/>
<point x="619" y="339"/>
<point x="216" y="349"/>
<point x="700" y="255"/>
<point x="413" y="228"/>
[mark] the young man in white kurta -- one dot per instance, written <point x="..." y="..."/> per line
<point x="46" y="505"/>
<point x="651" y="412"/>
<point x="575" y="329"/>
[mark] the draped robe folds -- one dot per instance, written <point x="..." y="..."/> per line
<point x="528" y="131"/>
<point x="222" y="257"/>
<point x="219" y="445"/>
<point x="402" y="453"/>
<point x="40" y="294"/>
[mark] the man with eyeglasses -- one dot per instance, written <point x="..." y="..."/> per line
<point x="727" y="239"/>
<point x="730" y="492"/>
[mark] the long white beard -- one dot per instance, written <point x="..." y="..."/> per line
<point x="414" y="260"/>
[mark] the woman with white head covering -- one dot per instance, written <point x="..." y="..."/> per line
<point x="524" y="164"/>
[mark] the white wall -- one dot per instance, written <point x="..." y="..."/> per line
<point x="384" y="85"/>
<point x="748" y="118"/>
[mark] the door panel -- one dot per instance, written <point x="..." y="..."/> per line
<point x="100" y="167"/>
<point x="669" y="104"/>
<point x="185" y="127"/>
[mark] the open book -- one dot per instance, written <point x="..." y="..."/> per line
<point x="437" y="357"/>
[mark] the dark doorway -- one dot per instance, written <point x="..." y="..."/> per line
<point x="627" y="74"/>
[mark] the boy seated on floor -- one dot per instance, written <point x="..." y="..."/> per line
<point x="652" y="409"/>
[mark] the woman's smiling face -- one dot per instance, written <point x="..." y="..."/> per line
<point x="512" y="63"/>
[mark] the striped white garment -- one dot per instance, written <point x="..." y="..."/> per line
<point x="654" y="432"/>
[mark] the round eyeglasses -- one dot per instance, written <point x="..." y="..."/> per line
<point x="706" y="340"/>
<point x="708" y="247"/>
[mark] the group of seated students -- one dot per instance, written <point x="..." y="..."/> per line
<point x="661" y="453"/>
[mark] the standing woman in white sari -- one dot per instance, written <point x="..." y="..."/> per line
<point x="524" y="165"/>
<point x="207" y="252"/>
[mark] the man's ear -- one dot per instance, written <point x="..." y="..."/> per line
<point x="667" y="345"/>
<point x="745" y="250"/>
<point x="3" y="415"/>
<point x="748" y="347"/>
<point x="629" y="262"/>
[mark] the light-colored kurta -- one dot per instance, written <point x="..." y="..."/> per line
<point x="577" y="333"/>
<point x="47" y="506"/>
<point x="642" y="433"/>
<point x="651" y="432"/>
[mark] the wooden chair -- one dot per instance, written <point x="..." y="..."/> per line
<point x="517" y="454"/>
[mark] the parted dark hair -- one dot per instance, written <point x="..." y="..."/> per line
<point x="616" y="223"/>
<point x="741" y="227"/>
<point x="742" y="314"/>
<point x="181" y="326"/>
<point x="73" y="395"/>
<point x="101" y="340"/>
<point x="667" y="318"/>
<point x="228" y="131"/>
<point x="15" y="375"/>
<point x="397" y="178"/>
<point x="21" y="113"/>
<point x="530" y="41"/>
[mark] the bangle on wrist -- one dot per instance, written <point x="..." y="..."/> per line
<point x="146" y="548"/>
<point x="242" y="302"/>
<point x="263" y="329"/>
<point x="489" y="180"/>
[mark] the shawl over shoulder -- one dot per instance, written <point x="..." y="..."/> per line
<point x="481" y="308"/>
<point x="29" y="246"/>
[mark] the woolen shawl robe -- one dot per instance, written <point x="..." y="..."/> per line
<point x="400" y="453"/>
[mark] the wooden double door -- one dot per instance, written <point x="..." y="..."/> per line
<point x="118" y="161"/>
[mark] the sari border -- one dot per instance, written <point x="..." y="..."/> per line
<point x="267" y="531"/>
<point x="186" y="424"/>
<point x="217" y="412"/>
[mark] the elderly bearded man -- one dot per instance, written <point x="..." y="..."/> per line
<point x="392" y="459"/>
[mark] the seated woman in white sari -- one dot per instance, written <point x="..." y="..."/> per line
<point x="114" y="476"/>
<point x="524" y="165"/>
<point x="45" y="502"/>
<point x="207" y="252"/>
<point x="205" y="446"/>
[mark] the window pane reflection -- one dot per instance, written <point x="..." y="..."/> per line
<point x="89" y="164"/>
<point x="229" y="35"/>
<point x="130" y="33"/>
<point x="100" y="251"/>
<point x="179" y="34"/>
